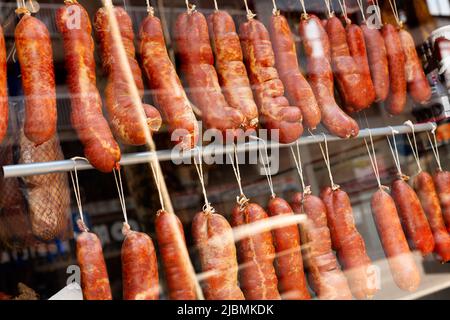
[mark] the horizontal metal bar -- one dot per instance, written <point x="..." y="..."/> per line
<point x="22" y="170"/>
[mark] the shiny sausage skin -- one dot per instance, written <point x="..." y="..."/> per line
<point x="94" y="276"/>
<point x="168" y="93"/>
<point x="298" y="90"/>
<point x="256" y="254"/>
<point x="100" y="148"/>
<point x="123" y="107"/>
<point x="442" y="182"/>
<point x="169" y="233"/>
<point x="325" y="274"/>
<point x="213" y="238"/>
<point x="396" y="101"/>
<point x="35" y="54"/>
<point x="230" y="67"/>
<point x="197" y="66"/>
<point x="404" y="269"/>
<point x="320" y="76"/>
<point x="348" y="243"/>
<point x="426" y="191"/>
<point x="289" y="261"/>
<point x="139" y="267"/>
<point x="418" y="85"/>
<point x="268" y="89"/>
<point x="3" y="88"/>
<point x="413" y="217"/>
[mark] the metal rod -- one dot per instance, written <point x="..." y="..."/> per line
<point x="22" y="170"/>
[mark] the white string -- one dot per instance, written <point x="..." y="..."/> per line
<point x="414" y="148"/>
<point x="190" y="7"/>
<point x="119" y="186"/>
<point x="302" y="3"/>
<point x="266" y="165"/>
<point x="237" y="173"/>
<point x="250" y="14"/>
<point x="377" y="10"/>
<point x="76" y="186"/>
<point x="361" y="7"/>
<point x="372" y="155"/>
<point x="326" y="158"/>
<point x="344" y="10"/>
<point x="395" y="11"/>
<point x="328" y="5"/>
<point x="298" y="164"/>
<point x="157" y="176"/>
<point x="199" y="169"/>
<point x="395" y="155"/>
<point x="216" y="6"/>
<point x="150" y="9"/>
<point x="275" y="9"/>
<point x="435" y="147"/>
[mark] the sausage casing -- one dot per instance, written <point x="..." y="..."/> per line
<point x="442" y="182"/>
<point x="3" y="88"/>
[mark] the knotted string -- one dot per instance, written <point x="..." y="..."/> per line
<point x="199" y="168"/>
<point x="298" y="164"/>
<point x="361" y="8"/>
<point x="76" y="190"/>
<point x="344" y="11"/>
<point x="150" y="9"/>
<point x="190" y="7"/>
<point x="216" y="6"/>
<point x="435" y="147"/>
<point x="250" y="14"/>
<point x="395" y="11"/>
<point x="119" y="185"/>
<point x="266" y="165"/>
<point x="22" y="8"/>
<point x="326" y="158"/>
<point x="241" y="199"/>
<point x="372" y="154"/>
<point x="395" y="154"/>
<point x="414" y="148"/>
<point x="329" y="9"/>
<point x="275" y="10"/>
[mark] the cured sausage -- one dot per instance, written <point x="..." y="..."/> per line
<point x="139" y="267"/>
<point x="100" y="148"/>
<point x="404" y="269"/>
<point x="320" y="76"/>
<point x="396" y="101"/>
<point x="169" y="234"/>
<point x="3" y="88"/>
<point x="213" y="238"/>
<point x="325" y="274"/>
<point x="289" y="261"/>
<point x="418" y="85"/>
<point x="124" y="108"/>
<point x="168" y="93"/>
<point x="197" y="66"/>
<point x="268" y="89"/>
<point x="413" y="217"/>
<point x="230" y="67"/>
<point x="348" y="243"/>
<point x="94" y="276"/>
<point x="442" y="182"/>
<point x="378" y="61"/>
<point x="256" y="255"/>
<point x="34" y="51"/>
<point x="298" y="90"/>
<point x="426" y="191"/>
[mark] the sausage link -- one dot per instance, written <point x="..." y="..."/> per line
<point x="289" y="261"/>
<point x="442" y="182"/>
<point x="348" y="243"/>
<point x="139" y="267"/>
<point x="404" y="269"/>
<point x="320" y="76"/>
<point x="87" y="117"/>
<point x="426" y="191"/>
<point x="170" y="235"/>
<point x="298" y="90"/>
<point x="35" y="54"/>
<point x="418" y="85"/>
<point x="256" y="255"/>
<point x="168" y="93"/>
<point x="268" y="88"/>
<point x="396" y="101"/>
<point x="230" y="66"/>
<point x="3" y="88"/>
<point x="413" y="217"/>
<point x="213" y="238"/>
<point x="325" y="274"/>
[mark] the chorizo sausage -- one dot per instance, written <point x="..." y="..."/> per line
<point x="413" y="217"/>
<point x="442" y="182"/>
<point x="230" y="66"/>
<point x="320" y="76"/>
<point x="213" y="238"/>
<point x="403" y="268"/>
<point x="35" y="54"/>
<point x="124" y="107"/>
<point x="168" y="93"/>
<point x="426" y="191"/>
<point x="268" y="89"/>
<point x="100" y="148"/>
<point x="289" y="261"/>
<point x="298" y="90"/>
<point x="256" y="255"/>
<point x="3" y="88"/>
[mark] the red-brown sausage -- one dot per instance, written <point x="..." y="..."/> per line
<point x="426" y="191"/>
<point x="213" y="238"/>
<point x="100" y="148"/>
<point x="442" y="182"/>
<point x="320" y="76"/>
<point x="197" y="66"/>
<point x="396" y="101"/>
<point x="230" y="66"/>
<point x="325" y="274"/>
<point x="348" y="243"/>
<point x="34" y="50"/>
<point x="268" y="89"/>
<point x="3" y="88"/>
<point x="289" y="261"/>
<point x="139" y="267"/>
<point x="170" y="235"/>
<point x="418" y="85"/>
<point x="256" y="254"/>
<point x="168" y="93"/>
<point x="413" y="217"/>
<point x="404" y="269"/>
<point x="298" y="90"/>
